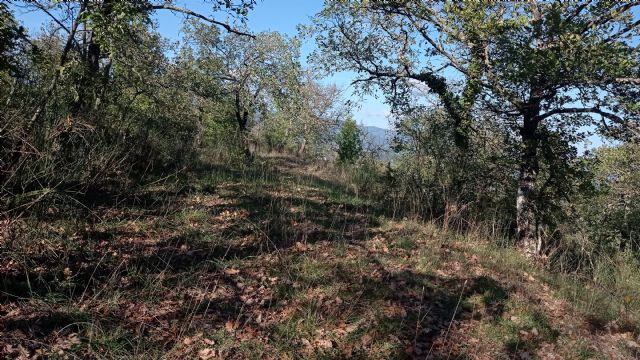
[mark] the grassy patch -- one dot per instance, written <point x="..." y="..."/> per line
<point x="521" y="329"/>
<point x="263" y="262"/>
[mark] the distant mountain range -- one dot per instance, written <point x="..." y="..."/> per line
<point x="376" y="138"/>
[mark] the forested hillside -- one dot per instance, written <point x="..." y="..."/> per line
<point x="216" y="194"/>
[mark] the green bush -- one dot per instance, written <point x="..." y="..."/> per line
<point x="349" y="142"/>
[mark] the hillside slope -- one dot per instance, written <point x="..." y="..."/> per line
<point x="281" y="261"/>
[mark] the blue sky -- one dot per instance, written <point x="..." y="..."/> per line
<point x="268" y="15"/>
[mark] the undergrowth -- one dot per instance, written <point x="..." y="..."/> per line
<point x="280" y="260"/>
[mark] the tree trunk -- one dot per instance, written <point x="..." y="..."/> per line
<point x="242" y="116"/>
<point x="625" y="233"/>
<point x="528" y="238"/>
<point x="54" y="82"/>
<point x="301" y="149"/>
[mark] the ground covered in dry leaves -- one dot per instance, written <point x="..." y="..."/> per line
<point x="279" y="261"/>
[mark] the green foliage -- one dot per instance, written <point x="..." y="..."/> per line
<point x="261" y="75"/>
<point x="349" y="142"/>
<point x="10" y="35"/>
<point x="606" y="217"/>
<point x="432" y="179"/>
<point x="105" y="107"/>
<point x="544" y="72"/>
<point x="613" y="212"/>
<point x="278" y="131"/>
<point x="111" y="22"/>
<point x="305" y="114"/>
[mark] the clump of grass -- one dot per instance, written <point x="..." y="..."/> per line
<point x="499" y="258"/>
<point x="191" y="216"/>
<point x="522" y="328"/>
<point x="583" y="351"/>
<point x="426" y="260"/>
<point x="313" y="272"/>
<point x="597" y="304"/>
<point x="612" y="297"/>
<point x="406" y="243"/>
<point x="341" y="197"/>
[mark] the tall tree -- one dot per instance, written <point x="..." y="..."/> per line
<point x="542" y="68"/>
<point x="258" y="72"/>
<point x="310" y="112"/>
<point x="10" y="35"/>
<point x="321" y="110"/>
<point x="92" y="27"/>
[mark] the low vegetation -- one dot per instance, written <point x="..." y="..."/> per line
<point x="283" y="260"/>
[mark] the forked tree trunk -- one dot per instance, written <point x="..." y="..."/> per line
<point x="242" y="116"/>
<point x="528" y="238"/>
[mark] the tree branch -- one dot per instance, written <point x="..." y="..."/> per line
<point x="627" y="29"/>
<point x="200" y="16"/>
<point x="632" y="81"/>
<point x="586" y="110"/>
<point x="56" y="76"/>
<point x="46" y="11"/>
<point x="577" y="11"/>
<point x="635" y="130"/>
<point x="604" y="19"/>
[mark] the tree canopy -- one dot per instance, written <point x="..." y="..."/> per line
<point x="544" y="70"/>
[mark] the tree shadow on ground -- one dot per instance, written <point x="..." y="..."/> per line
<point x="434" y="306"/>
<point x="271" y="220"/>
<point x="155" y="290"/>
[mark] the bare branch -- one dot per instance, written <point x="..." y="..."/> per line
<point x="227" y="27"/>
<point x="627" y="29"/>
<point x="577" y="11"/>
<point x="585" y="110"/>
<point x="604" y="19"/>
<point x="63" y="61"/>
<point x="594" y="110"/>
<point x="46" y="11"/>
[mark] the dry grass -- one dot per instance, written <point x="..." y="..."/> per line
<point x="279" y="261"/>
